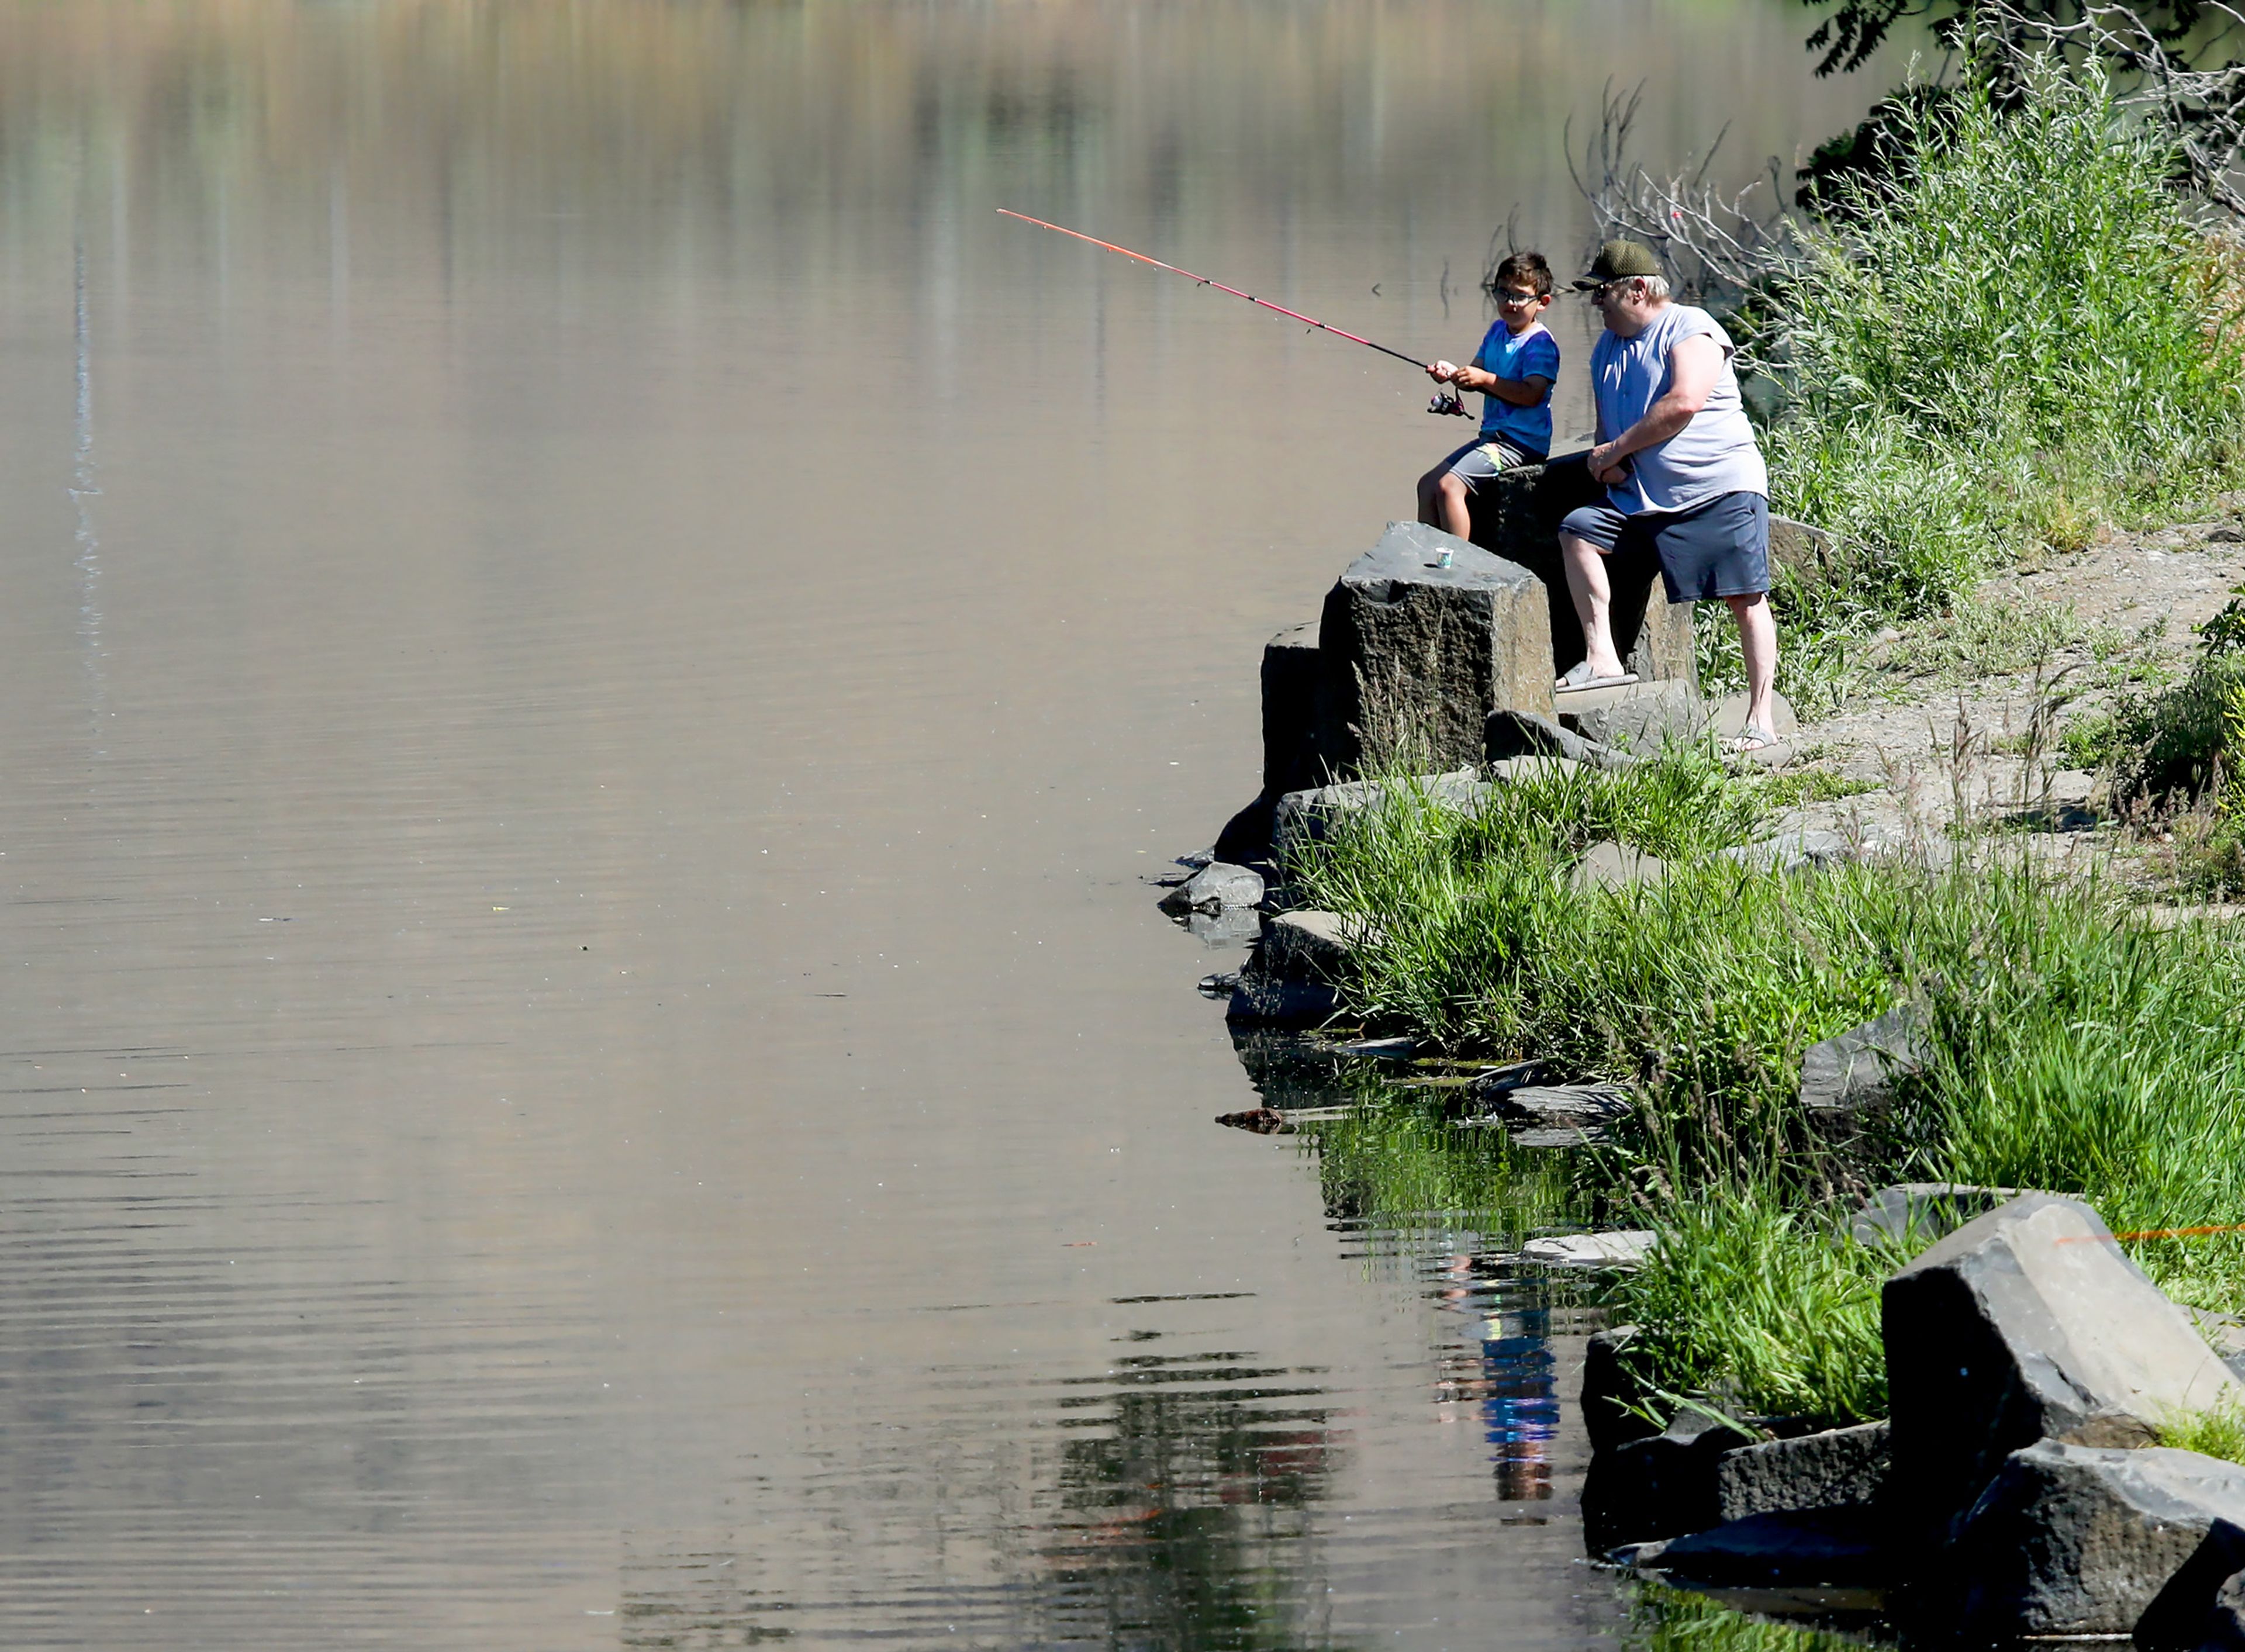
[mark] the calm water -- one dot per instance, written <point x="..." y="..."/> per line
<point x="595" y="655"/>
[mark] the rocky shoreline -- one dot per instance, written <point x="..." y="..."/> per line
<point x="2019" y="1488"/>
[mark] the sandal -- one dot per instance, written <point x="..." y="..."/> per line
<point x="1578" y="678"/>
<point x="1749" y="740"/>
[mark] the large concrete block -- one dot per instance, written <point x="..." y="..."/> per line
<point x="1839" y="1468"/>
<point x="1518" y="518"/>
<point x="1297" y="967"/>
<point x="1417" y="654"/>
<point x="2029" y="1323"/>
<point x="2201" y="1607"/>
<point x="1292" y="683"/>
<point x="2080" y="1540"/>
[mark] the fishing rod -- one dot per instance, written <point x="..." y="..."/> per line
<point x="1441" y="404"/>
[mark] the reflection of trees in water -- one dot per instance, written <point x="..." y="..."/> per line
<point x="1184" y="1495"/>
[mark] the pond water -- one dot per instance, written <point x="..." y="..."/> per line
<point x="597" y="655"/>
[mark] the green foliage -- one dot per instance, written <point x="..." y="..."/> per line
<point x="1404" y="1171"/>
<point x="2176" y="746"/>
<point x="1754" y="1302"/>
<point x="2225" y="632"/>
<point x="2073" y="1048"/>
<point x="2013" y="334"/>
<point x="1790" y="788"/>
<point x="1665" y="1619"/>
<point x="2220" y="1433"/>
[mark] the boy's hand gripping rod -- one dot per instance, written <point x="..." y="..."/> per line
<point x="1443" y="404"/>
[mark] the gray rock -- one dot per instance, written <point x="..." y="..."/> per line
<point x="1214" y="887"/>
<point x="1798" y="548"/>
<point x="1575" y="1105"/>
<point x="1292" y="682"/>
<point x="1625" y="1247"/>
<point x="1612" y="865"/>
<point x="1419" y="654"/>
<point x="1275" y="1003"/>
<point x="1230" y="926"/>
<point x="1839" y="1468"/>
<point x="1923" y="1211"/>
<point x="1857" y="1071"/>
<point x="1510" y="770"/>
<point x="1611" y="1392"/>
<point x="1518" y="515"/>
<point x="1639" y="717"/>
<point x="1730" y="717"/>
<point x="1307" y="816"/>
<point x="1291" y="980"/>
<point x="1663" y="1486"/>
<point x="2028" y="1324"/>
<point x="1830" y="1545"/>
<point x="1512" y="735"/>
<point x="1792" y="851"/>
<point x="1549" y="1136"/>
<point x="2201" y="1607"/>
<point x="2080" y="1539"/>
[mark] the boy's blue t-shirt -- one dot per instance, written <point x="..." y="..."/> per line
<point x="1535" y="354"/>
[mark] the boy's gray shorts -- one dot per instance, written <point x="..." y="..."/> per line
<point x="1718" y="549"/>
<point x="1486" y="457"/>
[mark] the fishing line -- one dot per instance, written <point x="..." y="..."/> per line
<point x="1446" y="403"/>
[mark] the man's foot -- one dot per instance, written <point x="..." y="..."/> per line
<point x="1748" y="740"/>
<point x="1580" y="676"/>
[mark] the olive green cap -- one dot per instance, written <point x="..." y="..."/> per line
<point x="1618" y="260"/>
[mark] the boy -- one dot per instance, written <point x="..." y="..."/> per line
<point x="1514" y="371"/>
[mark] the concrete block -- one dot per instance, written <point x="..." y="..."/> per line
<point x="2028" y="1324"/>
<point x="1424" y="636"/>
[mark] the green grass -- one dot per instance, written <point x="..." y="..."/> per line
<point x="2075" y="1049"/>
<point x="1797" y="1333"/>
<point x="2019" y="335"/>
<point x="1403" y="1171"/>
<point x="2219" y="1433"/>
<point x="1665" y="1619"/>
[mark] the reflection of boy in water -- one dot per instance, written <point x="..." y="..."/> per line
<point x="1512" y="370"/>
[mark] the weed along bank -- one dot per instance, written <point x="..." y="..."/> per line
<point x="1877" y="1089"/>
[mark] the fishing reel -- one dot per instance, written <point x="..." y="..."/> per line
<point x="1447" y="401"/>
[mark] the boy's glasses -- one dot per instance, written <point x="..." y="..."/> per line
<point x="1504" y="296"/>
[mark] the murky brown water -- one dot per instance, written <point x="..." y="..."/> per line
<point x="594" y="653"/>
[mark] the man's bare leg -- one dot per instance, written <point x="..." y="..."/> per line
<point x="1757" y="642"/>
<point x="1593" y="598"/>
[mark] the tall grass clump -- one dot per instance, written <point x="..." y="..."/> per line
<point x="2020" y="331"/>
<point x="1751" y="1302"/>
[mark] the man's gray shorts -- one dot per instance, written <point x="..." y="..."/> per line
<point x="1486" y="457"/>
<point x="1718" y="549"/>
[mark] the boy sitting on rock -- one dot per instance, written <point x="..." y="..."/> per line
<point x="1512" y="370"/>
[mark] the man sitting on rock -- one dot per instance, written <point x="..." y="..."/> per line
<point x="1683" y="474"/>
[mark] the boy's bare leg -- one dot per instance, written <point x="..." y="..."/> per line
<point x="1586" y="584"/>
<point x="1455" y="513"/>
<point x="1757" y="642"/>
<point x="1430" y="504"/>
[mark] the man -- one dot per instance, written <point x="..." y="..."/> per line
<point x="1683" y="473"/>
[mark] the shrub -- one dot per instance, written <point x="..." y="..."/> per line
<point x="2018" y="330"/>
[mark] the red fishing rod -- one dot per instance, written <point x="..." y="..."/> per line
<point x="1448" y="403"/>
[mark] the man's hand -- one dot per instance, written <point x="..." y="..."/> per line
<point x="1606" y="465"/>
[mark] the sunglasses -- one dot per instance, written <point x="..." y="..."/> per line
<point x="1505" y="295"/>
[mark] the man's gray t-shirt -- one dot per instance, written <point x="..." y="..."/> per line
<point x="1713" y="455"/>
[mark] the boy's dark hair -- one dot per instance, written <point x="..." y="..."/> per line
<point x="1524" y="266"/>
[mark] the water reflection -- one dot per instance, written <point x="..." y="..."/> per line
<point x="638" y="642"/>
